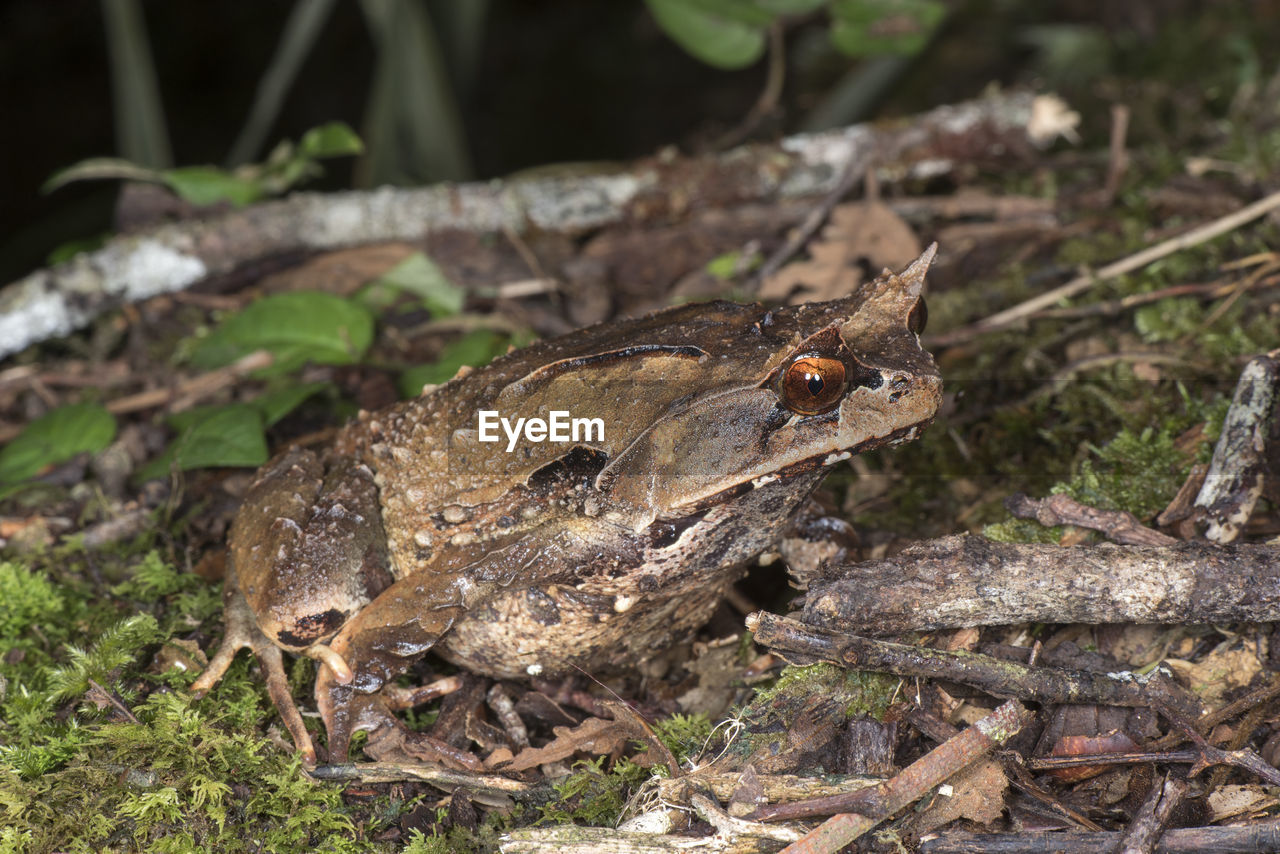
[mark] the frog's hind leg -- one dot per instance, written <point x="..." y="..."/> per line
<point x="242" y="632"/>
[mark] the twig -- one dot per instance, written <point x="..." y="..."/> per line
<point x="854" y="168"/>
<point x="1119" y="525"/>
<point x="1244" y="759"/>
<point x="1258" y="838"/>
<point x="1080" y="284"/>
<point x="767" y="103"/>
<point x="1153" y="816"/>
<point x="912" y="783"/>
<point x="1206" y="723"/>
<point x="1118" y="163"/>
<point x="730" y="827"/>
<point x="443" y="778"/>
<point x="992" y="675"/>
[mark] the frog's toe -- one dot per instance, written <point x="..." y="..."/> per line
<point x="242" y="632"/>
<point x="346" y="711"/>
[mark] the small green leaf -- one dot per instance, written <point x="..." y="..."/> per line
<point x="71" y="248"/>
<point x="878" y="27"/>
<point x="298" y="327"/>
<point x="419" y="275"/>
<point x="789" y="7"/>
<point x="336" y="139"/>
<point x="56" y="437"/>
<point x="474" y="349"/>
<point x="722" y="33"/>
<point x="207" y="185"/>
<point x="278" y="402"/>
<point x="213" y="436"/>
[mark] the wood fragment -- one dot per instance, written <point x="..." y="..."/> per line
<point x="992" y="675"/>
<point x="967" y="580"/>
<point x="1239" y="466"/>
<point x="914" y="782"/>
<point x="1119" y="526"/>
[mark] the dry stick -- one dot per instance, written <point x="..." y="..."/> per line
<point x="912" y="783"/>
<point x="492" y="785"/>
<point x="1148" y="825"/>
<point x="183" y="395"/>
<point x="1119" y="159"/>
<point x="1261" y="838"/>
<point x="967" y="580"/>
<point x="767" y="102"/>
<point x="1120" y="526"/>
<point x="854" y="168"/>
<point x="992" y="675"/>
<point x="1245" y="760"/>
<point x="1080" y="284"/>
<point x="1205" y="723"/>
<point x="1022" y="781"/>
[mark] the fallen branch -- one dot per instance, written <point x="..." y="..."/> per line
<point x="174" y="256"/>
<point x="967" y="580"/>
<point x="992" y="675"/>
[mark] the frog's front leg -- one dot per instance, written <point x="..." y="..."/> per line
<point x="307" y="552"/>
<point x="378" y="644"/>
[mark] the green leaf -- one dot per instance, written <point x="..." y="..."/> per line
<point x="475" y="349"/>
<point x="298" y="327"/>
<point x="722" y="33"/>
<point x="56" y="437"/>
<point x="789" y="7"/>
<point x="212" y="436"/>
<point x="335" y="139"/>
<point x="279" y="402"/>
<point x="419" y="275"/>
<point x="878" y="27"/>
<point x="207" y="185"/>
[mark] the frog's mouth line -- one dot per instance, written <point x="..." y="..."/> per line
<point x="796" y="469"/>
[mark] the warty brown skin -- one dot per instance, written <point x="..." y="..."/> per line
<point x="410" y="533"/>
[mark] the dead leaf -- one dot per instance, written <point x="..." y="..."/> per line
<point x="976" y="794"/>
<point x="342" y="272"/>
<point x="594" y="735"/>
<point x="1088" y="745"/>
<point x="1220" y="671"/>
<point x="1231" y="801"/>
<point x="858" y="234"/>
<point x="748" y="795"/>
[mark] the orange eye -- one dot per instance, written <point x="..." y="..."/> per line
<point x="812" y="384"/>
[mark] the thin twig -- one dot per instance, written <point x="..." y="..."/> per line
<point x="854" y="168"/>
<point x="1016" y="314"/>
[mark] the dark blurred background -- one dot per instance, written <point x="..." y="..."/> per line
<point x="488" y="87"/>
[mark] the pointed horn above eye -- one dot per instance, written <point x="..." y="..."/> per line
<point x="917" y="268"/>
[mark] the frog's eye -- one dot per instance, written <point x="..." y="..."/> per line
<point x="918" y="317"/>
<point x="812" y="384"/>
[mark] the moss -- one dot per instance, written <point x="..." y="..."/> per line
<point x="76" y="774"/>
